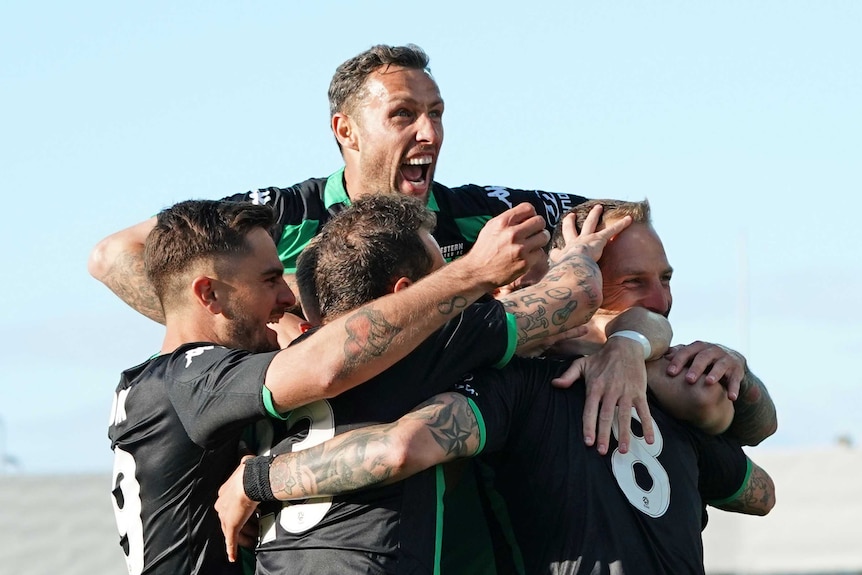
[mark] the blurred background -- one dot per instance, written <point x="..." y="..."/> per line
<point x="740" y="121"/>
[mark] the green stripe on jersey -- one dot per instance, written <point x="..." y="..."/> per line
<point x="470" y="226"/>
<point x="480" y="422"/>
<point x="512" y="345"/>
<point x="438" y="533"/>
<point x="293" y="241"/>
<point x="334" y="192"/>
<point x="719" y="502"/>
<point x="269" y="404"/>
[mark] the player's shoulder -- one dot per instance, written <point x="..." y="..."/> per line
<point x="273" y="195"/>
<point x="192" y="361"/>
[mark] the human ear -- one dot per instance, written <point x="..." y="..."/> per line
<point x="401" y="283"/>
<point x="343" y="128"/>
<point x="205" y="293"/>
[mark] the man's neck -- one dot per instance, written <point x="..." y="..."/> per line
<point x="352" y="182"/>
<point x="180" y="331"/>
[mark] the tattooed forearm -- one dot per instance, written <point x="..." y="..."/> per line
<point x="369" y="335"/>
<point x="448" y="307"/>
<point x="532" y="325"/>
<point x="440" y="430"/>
<point x="128" y="280"/>
<point x="347" y="463"/>
<point x="587" y="274"/>
<point x="758" y="496"/>
<point x="754" y="412"/>
<point x="562" y="315"/>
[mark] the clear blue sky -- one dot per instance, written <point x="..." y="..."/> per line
<point x="740" y="121"/>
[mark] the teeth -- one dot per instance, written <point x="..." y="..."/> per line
<point x="420" y="161"/>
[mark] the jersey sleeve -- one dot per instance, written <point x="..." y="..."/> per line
<point x="216" y="390"/>
<point x="298" y="217"/>
<point x="483" y="335"/>
<point x="502" y="398"/>
<point x="492" y="407"/>
<point x="724" y="468"/>
<point x="478" y="204"/>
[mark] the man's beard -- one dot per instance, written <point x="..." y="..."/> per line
<point x="246" y="334"/>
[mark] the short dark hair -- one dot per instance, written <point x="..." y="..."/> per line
<point x="347" y="85"/>
<point x="193" y="230"/>
<point x="306" y="284"/>
<point x="611" y="209"/>
<point x="365" y="249"/>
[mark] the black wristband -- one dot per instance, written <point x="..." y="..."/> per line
<point x="255" y="479"/>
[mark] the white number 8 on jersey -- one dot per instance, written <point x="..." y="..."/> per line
<point x="654" y="499"/>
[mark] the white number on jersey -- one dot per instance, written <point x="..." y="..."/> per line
<point x="127" y="509"/>
<point x="300" y="517"/>
<point x="655" y="499"/>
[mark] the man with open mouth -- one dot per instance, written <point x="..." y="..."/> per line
<point x="387" y="119"/>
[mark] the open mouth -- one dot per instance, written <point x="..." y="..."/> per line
<point x="415" y="170"/>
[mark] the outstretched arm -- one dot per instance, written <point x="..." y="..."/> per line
<point x="118" y="262"/>
<point x="357" y="346"/>
<point x="441" y="429"/>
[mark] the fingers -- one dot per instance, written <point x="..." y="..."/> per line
<point x="571" y="375"/>
<point x="516" y="214"/>
<point x="508" y="245"/>
<point x="616" y="227"/>
<point x="591" y="413"/>
<point x="569" y="229"/>
<point x="532" y="233"/>
<point x="642" y="407"/>
<point x="230" y="541"/>
<point x="592" y="220"/>
<point x="607" y="414"/>
<point x="682" y="355"/>
<point x="733" y="391"/>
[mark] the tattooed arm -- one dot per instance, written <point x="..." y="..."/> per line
<point x="361" y="344"/>
<point x="118" y="262"/>
<point x="569" y="293"/>
<point x="756" y="497"/>
<point x="441" y="429"/>
<point x="754" y="416"/>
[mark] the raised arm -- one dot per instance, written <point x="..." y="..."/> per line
<point x="357" y="346"/>
<point x="441" y="429"/>
<point x="569" y="293"/>
<point x="118" y="262"/>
